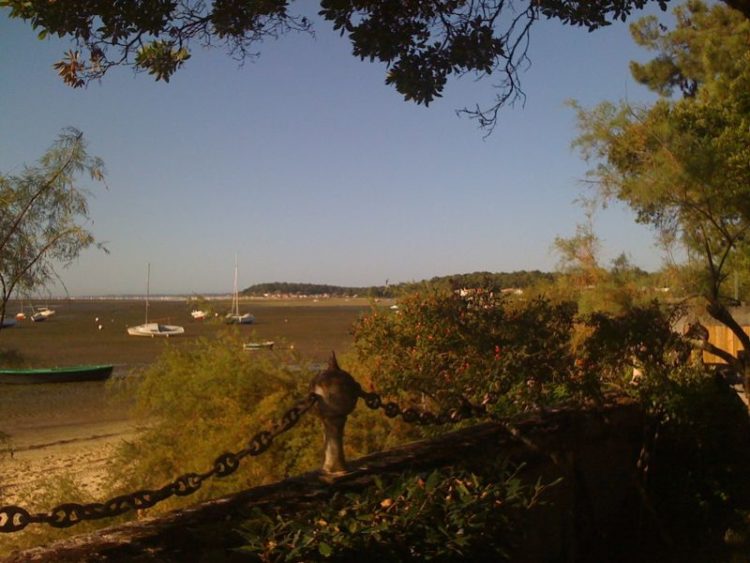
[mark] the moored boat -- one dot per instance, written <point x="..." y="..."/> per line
<point x="56" y="375"/>
<point x="235" y="317"/>
<point x="41" y="314"/>
<point x="152" y="328"/>
<point x="264" y="345"/>
<point x="155" y="329"/>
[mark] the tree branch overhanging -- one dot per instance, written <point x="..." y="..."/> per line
<point x="422" y="43"/>
<point x="40" y="214"/>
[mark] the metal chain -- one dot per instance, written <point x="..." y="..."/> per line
<point x="16" y="518"/>
<point x="411" y="415"/>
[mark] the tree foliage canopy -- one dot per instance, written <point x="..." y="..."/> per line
<point x="683" y="165"/>
<point x="422" y="43"/>
<point x="41" y="211"/>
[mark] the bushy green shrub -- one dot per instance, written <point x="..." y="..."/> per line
<point x="642" y="338"/>
<point x="440" y="344"/>
<point x="197" y="402"/>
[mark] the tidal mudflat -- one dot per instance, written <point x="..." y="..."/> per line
<point x="52" y="429"/>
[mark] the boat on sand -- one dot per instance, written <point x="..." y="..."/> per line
<point x="235" y="317"/>
<point x="155" y="329"/>
<point x="41" y="314"/>
<point x="56" y="375"/>
<point x="264" y="345"/>
<point x="151" y="328"/>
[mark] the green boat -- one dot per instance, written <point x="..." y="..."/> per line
<point x="56" y="375"/>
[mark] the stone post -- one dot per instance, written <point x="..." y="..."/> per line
<point x="338" y="393"/>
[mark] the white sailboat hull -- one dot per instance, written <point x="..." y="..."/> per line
<point x="155" y="329"/>
<point x="245" y="319"/>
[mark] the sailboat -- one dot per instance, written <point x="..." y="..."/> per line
<point x="234" y="317"/>
<point x="41" y="314"/>
<point x="153" y="329"/>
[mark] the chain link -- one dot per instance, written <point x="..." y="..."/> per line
<point x="13" y="519"/>
<point x="16" y="518"/>
<point x="411" y="415"/>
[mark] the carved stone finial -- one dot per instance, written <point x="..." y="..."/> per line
<point x="332" y="362"/>
<point x="338" y="393"/>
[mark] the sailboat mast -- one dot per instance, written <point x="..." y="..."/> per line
<point x="148" y="288"/>
<point x="236" y="296"/>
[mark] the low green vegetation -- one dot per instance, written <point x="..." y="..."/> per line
<point x="454" y="514"/>
<point x="199" y="401"/>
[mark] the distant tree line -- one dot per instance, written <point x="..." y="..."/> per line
<point x="521" y="279"/>
<point x="316" y="289"/>
<point x="492" y="281"/>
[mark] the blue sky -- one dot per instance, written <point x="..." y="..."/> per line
<point x="310" y="169"/>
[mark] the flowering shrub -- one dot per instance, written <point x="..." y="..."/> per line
<point x="440" y="344"/>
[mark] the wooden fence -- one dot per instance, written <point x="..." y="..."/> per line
<point x="721" y="337"/>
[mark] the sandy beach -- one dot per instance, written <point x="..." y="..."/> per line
<point x="81" y="450"/>
<point x="59" y="429"/>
